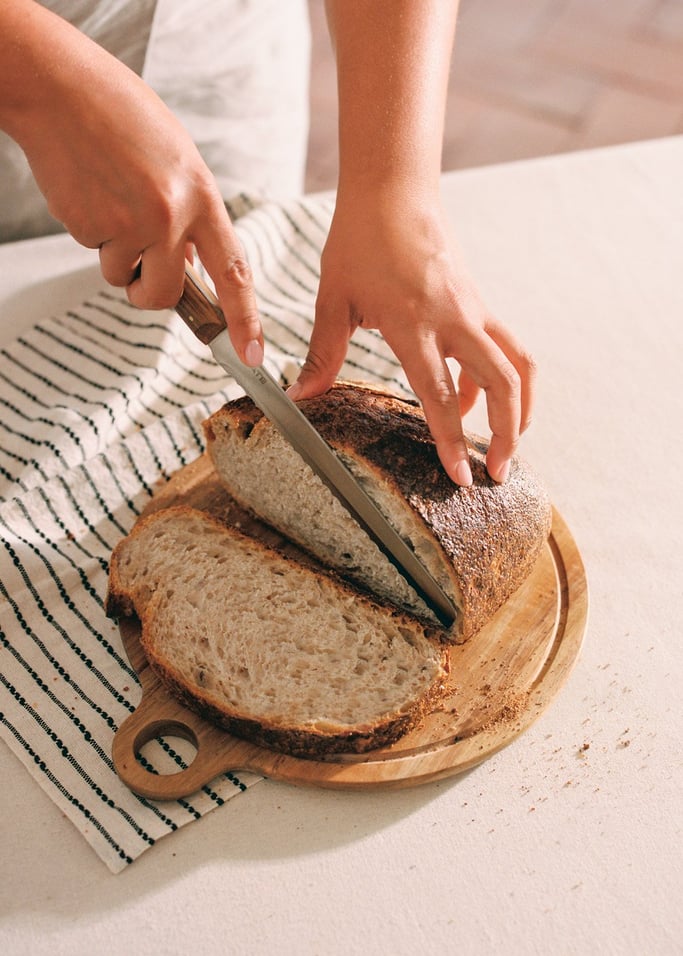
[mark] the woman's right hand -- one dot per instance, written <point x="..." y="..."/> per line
<point x="118" y="169"/>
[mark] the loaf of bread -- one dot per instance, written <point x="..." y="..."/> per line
<point x="326" y="649"/>
<point x="479" y="543"/>
<point x="275" y="650"/>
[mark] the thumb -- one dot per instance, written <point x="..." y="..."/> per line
<point x="326" y="353"/>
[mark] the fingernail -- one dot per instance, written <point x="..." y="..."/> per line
<point x="502" y="473"/>
<point x="463" y="474"/>
<point x="294" y="391"/>
<point x="253" y="353"/>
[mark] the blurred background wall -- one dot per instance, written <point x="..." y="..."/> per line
<point x="534" y="77"/>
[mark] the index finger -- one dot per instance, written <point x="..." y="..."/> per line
<point x="222" y="255"/>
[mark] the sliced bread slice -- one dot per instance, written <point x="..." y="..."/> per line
<point x="274" y="650"/>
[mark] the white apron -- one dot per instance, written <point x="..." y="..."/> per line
<point x="235" y="72"/>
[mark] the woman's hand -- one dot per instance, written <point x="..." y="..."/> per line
<point x="118" y="169"/>
<point x="387" y="265"/>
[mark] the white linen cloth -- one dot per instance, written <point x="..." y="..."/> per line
<point x="99" y="406"/>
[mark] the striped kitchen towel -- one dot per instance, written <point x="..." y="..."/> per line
<point x="100" y="405"/>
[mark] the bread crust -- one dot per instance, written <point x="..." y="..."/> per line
<point x="139" y="598"/>
<point x="491" y="535"/>
<point x="304" y="742"/>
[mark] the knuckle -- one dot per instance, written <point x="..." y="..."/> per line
<point x="78" y="229"/>
<point x="529" y="366"/>
<point x="164" y="214"/>
<point x="114" y="277"/>
<point x="509" y="380"/>
<point x="442" y="394"/>
<point x="237" y="274"/>
<point x="314" y="364"/>
<point x="321" y="366"/>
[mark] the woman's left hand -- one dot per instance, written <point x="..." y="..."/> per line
<point x="388" y="265"/>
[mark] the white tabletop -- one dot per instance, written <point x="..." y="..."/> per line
<point x="569" y="839"/>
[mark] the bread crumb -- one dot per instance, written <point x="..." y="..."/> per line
<point x="511" y="706"/>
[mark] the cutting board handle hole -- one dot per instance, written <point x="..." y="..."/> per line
<point x="166" y="749"/>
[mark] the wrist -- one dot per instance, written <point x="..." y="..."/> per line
<point x="387" y="224"/>
<point x="389" y="185"/>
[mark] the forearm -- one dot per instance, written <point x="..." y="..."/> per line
<point x="393" y="59"/>
<point x="37" y="50"/>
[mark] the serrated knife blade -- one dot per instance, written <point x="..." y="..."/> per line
<point x="201" y="312"/>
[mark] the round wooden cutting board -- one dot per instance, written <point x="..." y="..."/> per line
<point x="500" y="682"/>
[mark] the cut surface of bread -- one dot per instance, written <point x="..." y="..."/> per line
<point x="273" y="650"/>
<point x="479" y="543"/>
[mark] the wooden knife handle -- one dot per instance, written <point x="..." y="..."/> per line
<point x="199" y="309"/>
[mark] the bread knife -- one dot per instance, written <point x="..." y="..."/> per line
<point x="201" y="312"/>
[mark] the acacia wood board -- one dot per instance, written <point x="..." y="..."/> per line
<point x="500" y="681"/>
